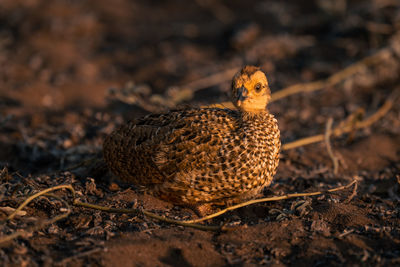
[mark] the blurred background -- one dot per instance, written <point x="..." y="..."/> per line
<point x="69" y="53"/>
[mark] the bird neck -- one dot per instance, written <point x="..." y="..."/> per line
<point x="254" y="115"/>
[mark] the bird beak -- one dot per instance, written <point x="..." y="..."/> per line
<point x="242" y="93"/>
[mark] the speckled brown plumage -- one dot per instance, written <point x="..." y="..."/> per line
<point x="202" y="155"/>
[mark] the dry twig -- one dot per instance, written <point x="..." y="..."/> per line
<point x="353" y="194"/>
<point x="329" y="147"/>
<point x="41" y="193"/>
<point x="148" y="214"/>
<point x="40" y="225"/>
<point x="190" y="223"/>
<point x="348" y="128"/>
<point x="269" y="199"/>
<point x="332" y="80"/>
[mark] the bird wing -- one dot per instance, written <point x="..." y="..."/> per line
<point x="151" y="150"/>
<point x="190" y="139"/>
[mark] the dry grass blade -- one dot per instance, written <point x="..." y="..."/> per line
<point x="381" y="112"/>
<point x="328" y="133"/>
<point x="40" y="225"/>
<point x="269" y="199"/>
<point x="353" y="194"/>
<point x="311" y="86"/>
<point x="333" y="79"/>
<point x="190" y="223"/>
<point x="44" y="192"/>
<point x="148" y="214"/>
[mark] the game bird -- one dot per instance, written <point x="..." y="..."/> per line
<point x="199" y="157"/>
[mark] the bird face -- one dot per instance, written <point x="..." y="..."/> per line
<point x="250" y="90"/>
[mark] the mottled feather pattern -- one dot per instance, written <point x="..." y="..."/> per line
<point x="197" y="155"/>
<point x="202" y="155"/>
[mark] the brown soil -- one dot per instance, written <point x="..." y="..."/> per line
<point x="59" y="60"/>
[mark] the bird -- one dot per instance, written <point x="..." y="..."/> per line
<point x="199" y="157"/>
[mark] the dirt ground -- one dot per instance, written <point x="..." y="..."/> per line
<point x="71" y="71"/>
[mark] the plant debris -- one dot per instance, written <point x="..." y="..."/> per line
<point x="73" y="71"/>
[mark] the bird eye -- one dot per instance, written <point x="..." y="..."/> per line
<point x="258" y="87"/>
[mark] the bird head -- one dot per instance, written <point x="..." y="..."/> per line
<point x="250" y="90"/>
